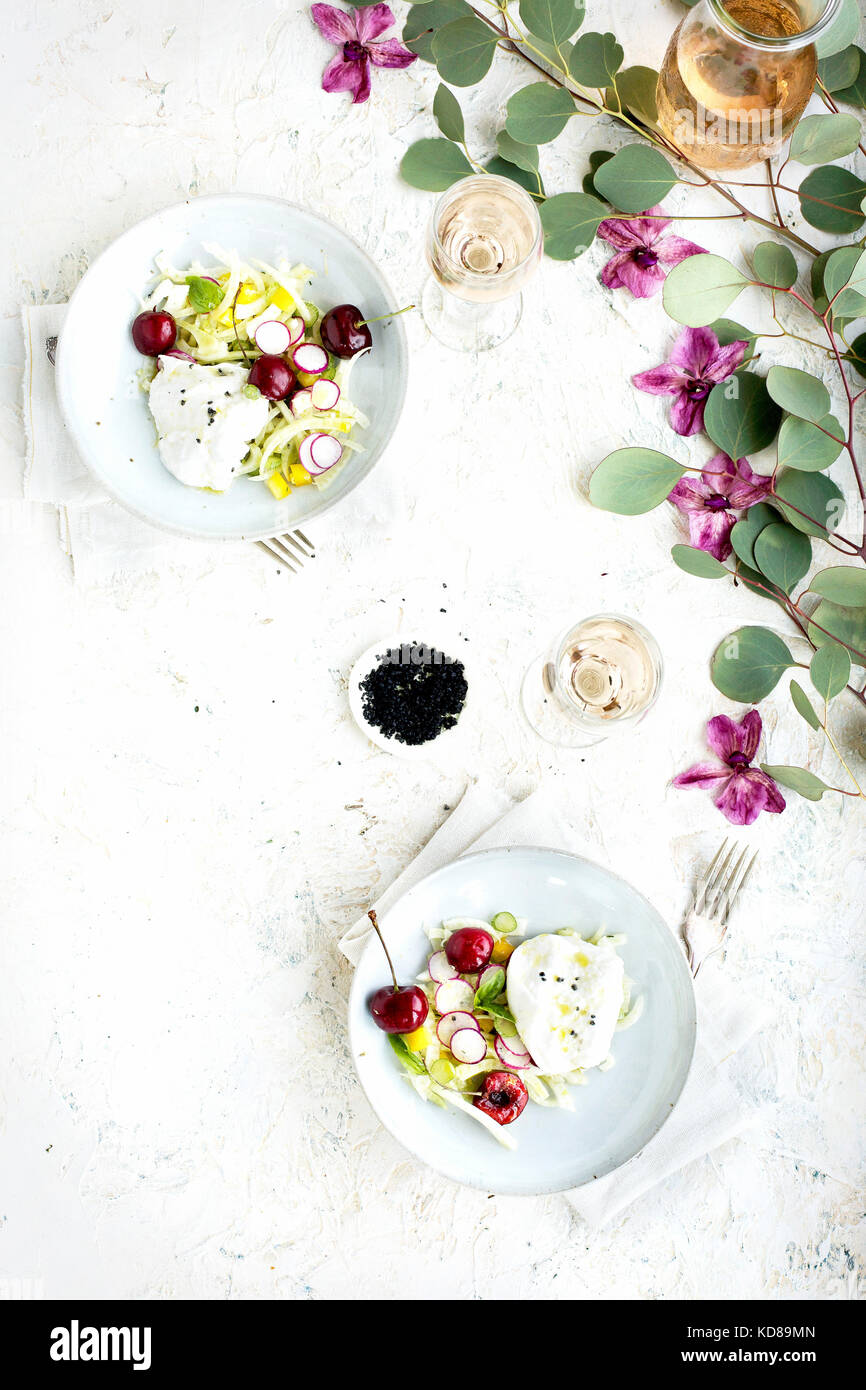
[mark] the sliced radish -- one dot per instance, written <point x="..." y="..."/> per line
<point x="297" y="329"/>
<point x="273" y="337"/>
<point x="325" y="394"/>
<point x="309" y="357"/>
<point x="440" y="968"/>
<point x="453" y="995"/>
<point x="301" y="402"/>
<point x="449" y="1024"/>
<point x="511" y="1059"/>
<point x="319" y="452"/>
<point x="467" y="1045"/>
<point x="175" y="352"/>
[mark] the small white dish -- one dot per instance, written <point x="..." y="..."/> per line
<point x="450" y="742"/>
<point x="618" y="1111"/>
<point x="107" y="415"/>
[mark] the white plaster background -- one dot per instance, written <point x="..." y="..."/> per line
<point x="179" y="1114"/>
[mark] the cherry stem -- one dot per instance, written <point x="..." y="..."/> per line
<point x="359" y="323"/>
<point x="372" y="916"/>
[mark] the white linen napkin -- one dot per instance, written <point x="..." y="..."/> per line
<point x="711" y="1109"/>
<point x="103" y="540"/>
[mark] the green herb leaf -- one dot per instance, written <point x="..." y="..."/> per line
<point x="635" y="179"/>
<point x="807" y="447"/>
<point x="537" y="113"/>
<point x="634" y="91"/>
<point x="506" y="170"/>
<point x="830" y="199"/>
<point x="409" y="1059"/>
<point x="701" y="288"/>
<point x="740" y="417"/>
<point x="821" y="139"/>
<point x="846" y="625"/>
<point x="747" y="530"/>
<point x="596" y="159"/>
<point x="204" y="295"/>
<point x="783" y="554"/>
<point x="570" y="222"/>
<point x="845" y="282"/>
<point x="552" y="20"/>
<point x="841" y="69"/>
<point x="797" y="779"/>
<point x="854" y="91"/>
<point x="842" y="584"/>
<point x="448" y="114"/>
<point x="633" y="481"/>
<point x="595" y="60"/>
<point x="524" y="156"/>
<point x="499" y="1011"/>
<point x="809" y="501"/>
<point x="798" y="393"/>
<point x="425" y="18"/>
<point x="748" y="664"/>
<point x="803" y="705"/>
<point x="830" y="670"/>
<point x="434" y="165"/>
<point x="775" y="265"/>
<point x="464" y="51"/>
<point x="698" y="562"/>
<point x="491" y="990"/>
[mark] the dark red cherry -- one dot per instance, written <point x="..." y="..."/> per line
<point x="503" y="1096"/>
<point x="154" y="332"/>
<point x="272" y="377"/>
<point x="399" y="1010"/>
<point x="469" y="949"/>
<point x="343" y="332"/>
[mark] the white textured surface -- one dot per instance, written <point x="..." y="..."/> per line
<point x="189" y="815"/>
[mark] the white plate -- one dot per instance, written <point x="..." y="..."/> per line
<point x="449" y="745"/>
<point x="618" y="1111"/>
<point x="107" y="414"/>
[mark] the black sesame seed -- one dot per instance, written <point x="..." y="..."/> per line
<point x="414" y="693"/>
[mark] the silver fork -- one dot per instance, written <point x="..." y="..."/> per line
<point x="291" y="550"/>
<point x="706" y="922"/>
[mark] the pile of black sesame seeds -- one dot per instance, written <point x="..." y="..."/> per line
<point x="414" y="693"/>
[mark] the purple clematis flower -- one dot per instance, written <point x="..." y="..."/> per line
<point x="711" y="500"/>
<point x="743" y="791"/>
<point x="642" y="249"/>
<point x="357" y="35"/>
<point x="697" y="364"/>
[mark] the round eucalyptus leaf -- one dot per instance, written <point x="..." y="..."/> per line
<point x="570" y="222"/>
<point x="810" y="448"/>
<point x="842" y="32"/>
<point x="464" y="51"/>
<point x="838" y="267"/>
<point x="633" y="481"/>
<point x="854" y="91"/>
<point x="698" y="562"/>
<point x="830" y="670"/>
<point x="747" y="530"/>
<point x="448" y="115"/>
<point x="809" y="501"/>
<point x="820" y="139"/>
<point x="830" y="199"/>
<point x="797" y="779"/>
<point x="783" y="554"/>
<point x="595" y="60"/>
<point x="537" y="113"/>
<point x="531" y="182"/>
<point x="758" y="584"/>
<point x="634" y="91"/>
<point x="842" y="584"/>
<point x="841" y="69"/>
<point x="803" y="705"/>
<point x="701" y="288"/>
<point x="596" y="159"/>
<point x="846" y="625"/>
<point x="849" y="300"/>
<point x="524" y="156"/>
<point x="740" y="416"/>
<point x="856" y="354"/>
<point x="748" y="664"/>
<point x="729" y="331"/>
<point x="552" y="20"/>
<point x="434" y="165"/>
<point x="635" y="179"/>
<point x="423" y="21"/>
<point x="798" y="392"/>
<point x="775" y="265"/>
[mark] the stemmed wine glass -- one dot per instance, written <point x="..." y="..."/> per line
<point x="601" y="677"/>
<point x="484" y="243"/>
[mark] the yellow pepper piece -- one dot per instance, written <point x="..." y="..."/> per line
<point x="418" y="1040"/>
<point x="247" y="292"/>
<point x="281" y="298"/>
<point x="501" y="951"/>
<point x="278" y="485"/>
<point x="299" y="475"/>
